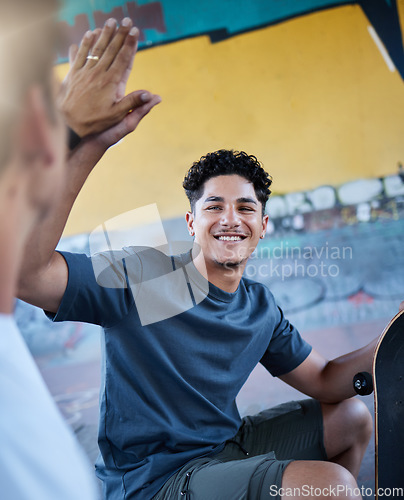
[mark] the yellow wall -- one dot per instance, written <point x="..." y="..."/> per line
<point x="312" y="98"/>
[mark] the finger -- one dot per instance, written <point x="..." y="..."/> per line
<point x="127" y="124"/>
<point x="99" y="47"/>
<point x="97" y="33"/>
<point x="143" y="110"/>
<point x="116" y="43"/>
<point x="133" y="101"/>
<point x="73" y="49"/>
<point x="123" y="62"/>
<point x="134" y="118"/>
<point x="131" y="121"/>
<point x="82" y="53"/>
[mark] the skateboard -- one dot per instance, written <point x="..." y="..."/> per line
<point x="388" y="382"/>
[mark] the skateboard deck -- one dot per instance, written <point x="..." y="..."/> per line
<point x="388" y="383"/>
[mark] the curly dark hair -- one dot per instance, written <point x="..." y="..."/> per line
<point x="227" y="162"/>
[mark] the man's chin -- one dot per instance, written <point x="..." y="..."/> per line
<point x="230" y="264"/>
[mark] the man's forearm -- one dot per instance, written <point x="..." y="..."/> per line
<point x="43" y="241"/>
<point x="338" y="374"/>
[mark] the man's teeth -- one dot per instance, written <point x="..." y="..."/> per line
<point x="230" y="238"/>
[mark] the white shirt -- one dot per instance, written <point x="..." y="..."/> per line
<point x="40" y="458"/>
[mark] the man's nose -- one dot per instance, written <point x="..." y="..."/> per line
<point x="230" y="217"/>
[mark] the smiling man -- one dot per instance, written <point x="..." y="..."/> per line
<point x="169" y="424"/>
<point x="227" y="228"/>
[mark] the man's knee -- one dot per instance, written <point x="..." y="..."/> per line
<point x="350" y="417"/>
<point x="359" y="417"/>
<point x="362" y="417"/>
<point x="319" y="480"/>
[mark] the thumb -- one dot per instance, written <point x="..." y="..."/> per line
<point x="133" y="101"/>
<point x="133" y="119"/>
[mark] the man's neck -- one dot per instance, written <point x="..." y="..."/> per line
<point x="224" y="276"/>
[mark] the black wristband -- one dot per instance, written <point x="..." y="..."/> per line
<point x="73" y="139"/>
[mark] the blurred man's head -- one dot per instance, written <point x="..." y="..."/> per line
<point x="31" y="134"/>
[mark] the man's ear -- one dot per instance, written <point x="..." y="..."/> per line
<point x="35" y="129"/>
<point x="189" y="217"/>
<point x="265" y="220"/>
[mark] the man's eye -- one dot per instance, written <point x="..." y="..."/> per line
<point x="247" y="209"/>
<point x="213" y="208"/>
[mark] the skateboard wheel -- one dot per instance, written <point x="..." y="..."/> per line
<point x="363" y="383"/>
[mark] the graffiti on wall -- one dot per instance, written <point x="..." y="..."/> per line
<point x="148" y="18"/>
<point x="329" y="207"/>
<point x="334" y="254"/>
<point x="167" y="21"/>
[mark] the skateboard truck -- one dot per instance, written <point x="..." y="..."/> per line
<point x="363" y="383"/>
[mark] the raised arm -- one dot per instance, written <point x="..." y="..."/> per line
<point x="93" y="101"/>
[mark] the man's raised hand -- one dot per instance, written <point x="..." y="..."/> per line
<point x="92" y="96"/>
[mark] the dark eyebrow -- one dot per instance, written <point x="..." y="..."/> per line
<point x="246" y="200"/>
<point x="221" y="200"/>
<point x="214" y="198"/>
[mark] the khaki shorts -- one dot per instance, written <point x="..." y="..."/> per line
<point x="254" y="460"/>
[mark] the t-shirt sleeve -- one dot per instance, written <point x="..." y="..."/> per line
<point x="286" y="349"/>
<point x="101" y="299"/>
